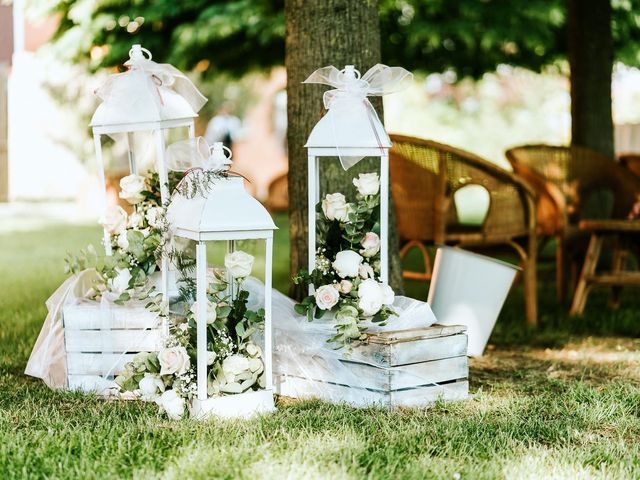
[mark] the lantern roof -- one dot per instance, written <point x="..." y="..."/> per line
<point x="223" y="206"/>
<point x="147" y="93"/>
<point x="227" y="207"/>
<point x="350" y="121"/>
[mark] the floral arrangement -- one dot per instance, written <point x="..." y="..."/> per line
<point x="168" y="377"/>
<point x="135" y="241"/>
<point x="347" y="266"/>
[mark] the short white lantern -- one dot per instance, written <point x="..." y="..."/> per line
<point x="225" y="213"/>
<point x="148" y="97"/>
<point x="350" y="130"/>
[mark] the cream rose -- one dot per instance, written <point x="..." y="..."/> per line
<point x="326" y="297"/>
<point x="135" y="220"/>
<point x="347" y="263"/>
<point x="234" y="365"/>
<point x="253" y="350"/>
<point x="345" y="286"/>
<point x="153" y="215"/>
<point x="367" y="184"/>
<point x="366" y="271"/>
<point x="172" y="403"/>
<point x="131" y="188"/>
<point x="120" y="283"/>
<point x="211" y="311"/>
<point x="150" y="385"/>
<point x="239" y="264"/>
<point x="114" y="220"/>
<point x="123" y="241"/>
<point x="370" y="244"/>
<point x="174" y="360"/>
<point x="211" y="357"/>
<point x="335" y="207"/>
<point x="373" y="296"/>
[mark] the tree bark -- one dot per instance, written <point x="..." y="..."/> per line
<point x="591" y="62"/>
<point x="321" y="33"/>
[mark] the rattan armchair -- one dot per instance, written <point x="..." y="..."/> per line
<point x="425" y="177"/>
<point x="565" y="180"/>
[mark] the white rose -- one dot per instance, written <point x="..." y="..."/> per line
<point x="326" y="297"/>
<point x="366" y="271"/>
<point x="371" y="297"/>
<point x="211" y="357"/>
<point x="211" y="311"/>
<point x="174" y="360"/>
<point x="172" y="403"/>
<point x="239" y="264"/>
<point x="253" y="350"/>
<point x="345" y="286"/>
<point x="131" y="188"/>
<point x="120" y="283"/>
<point x="347" y="263"/>
<point x="367" y="184"/>
<point x="388" y="295"/>
<point x="335" y="207"/>
<point x="234" y="365"/>
<point x="123" y="241"/>
<point x="135" y="220"/>
<point x="114" y="220"/>
<point x="153" y="215"/>
<point x="150" y="385"/>
<point x="370" y="244"/>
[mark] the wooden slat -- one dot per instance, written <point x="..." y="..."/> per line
<point x="98" y="341"/>
<point x="97" y="363"/>
<point x="303" y="388"/>
<point x="89" y="316"/>
<point x="610" y="226"/>
<point x="410" y="335"/>
<point x="403" y="353"/>
<point x="362" y="375"/>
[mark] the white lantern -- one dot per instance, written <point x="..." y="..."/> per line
<point x="351" y="130"/>
<point x="148" y="97"/>
<point x="225" y="213"/>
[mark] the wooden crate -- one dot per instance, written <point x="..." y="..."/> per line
<point x="396" y="368"/>
<point x="99" y="343"/>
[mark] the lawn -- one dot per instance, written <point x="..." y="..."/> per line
<point x="559" y="402"/>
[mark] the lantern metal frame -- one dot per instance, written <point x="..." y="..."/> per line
<point x="315" y="154"/>
<point x="247" y="403"/>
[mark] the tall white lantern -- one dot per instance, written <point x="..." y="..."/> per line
<point x="148" y="97"/>
<point x="351" y="130"/>
<point x="226" y="213"/>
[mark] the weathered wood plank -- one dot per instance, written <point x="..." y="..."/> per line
<point x="361" y="375"/>
<point x="304" y="388"/>
<point x="97" y="363"/>
<point x="405" y="352"/>
<point x="112" y="341"/>
<point x="89" y="316"/>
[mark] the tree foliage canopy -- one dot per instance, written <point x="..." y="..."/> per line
<point x="235" y="36"/>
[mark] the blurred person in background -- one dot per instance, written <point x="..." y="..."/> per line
<point x="224" y="127"/>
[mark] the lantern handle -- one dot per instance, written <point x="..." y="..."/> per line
<point x="350" y="69"/>
<point x="224" y="148"/>
<point x="142" y="50"/>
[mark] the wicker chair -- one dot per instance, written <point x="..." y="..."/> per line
<point x="425" y="177"/>
<point x="566" y="180"/>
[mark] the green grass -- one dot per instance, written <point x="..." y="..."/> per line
<point x="559" y="402"/>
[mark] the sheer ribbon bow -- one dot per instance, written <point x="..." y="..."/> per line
<point x="348" y="101"/>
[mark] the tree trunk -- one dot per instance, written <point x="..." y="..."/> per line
<point x="591" y="62"/>
<point x="321" y="33"/>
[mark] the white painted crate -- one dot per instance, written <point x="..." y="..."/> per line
<point x="99" y="342"/>
<point x="402" y="368"/>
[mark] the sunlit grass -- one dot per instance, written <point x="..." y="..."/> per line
<point x="559" y="402"/>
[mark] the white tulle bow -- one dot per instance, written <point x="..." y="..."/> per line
<point x="377" y="81"/>
<point x="195" y="153"/>
<point x="351" y="120"/>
